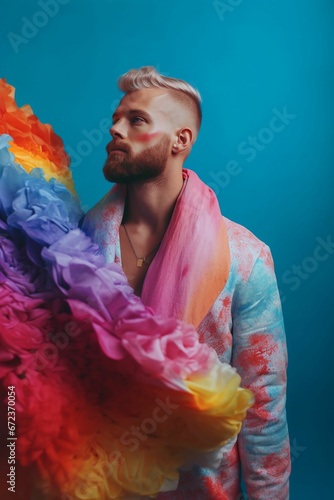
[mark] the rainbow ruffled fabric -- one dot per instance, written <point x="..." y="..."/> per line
<point x="111" y="399"/>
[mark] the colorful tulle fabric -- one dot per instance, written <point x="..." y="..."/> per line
<point x="111" y="399"/>
<point x="34" y="144"/>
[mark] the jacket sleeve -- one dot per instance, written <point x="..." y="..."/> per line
<point x="260" y="357"/>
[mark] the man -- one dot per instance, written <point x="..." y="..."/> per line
<point x="163" y="225"/>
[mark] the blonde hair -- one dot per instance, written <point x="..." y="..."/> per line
<point x="148" y="77"/>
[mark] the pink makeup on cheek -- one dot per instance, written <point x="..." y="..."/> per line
<point x="147" y="137"/>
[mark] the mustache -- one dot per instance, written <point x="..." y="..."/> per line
<point x="117" y="145"/>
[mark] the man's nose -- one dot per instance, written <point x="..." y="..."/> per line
<point x="117" y="130"/>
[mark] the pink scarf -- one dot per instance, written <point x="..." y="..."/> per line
<point x="192" y="264"/>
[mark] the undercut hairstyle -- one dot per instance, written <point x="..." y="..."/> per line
<point x="148" y="77"/>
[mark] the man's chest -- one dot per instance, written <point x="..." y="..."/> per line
<point x="134" y="267"/>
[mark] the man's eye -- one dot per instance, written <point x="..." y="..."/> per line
<point x="137" y="119"/>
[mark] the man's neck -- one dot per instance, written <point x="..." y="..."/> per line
<point x="150" y="204"/>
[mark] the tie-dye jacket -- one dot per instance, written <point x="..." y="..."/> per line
<point x="245" y="327"/>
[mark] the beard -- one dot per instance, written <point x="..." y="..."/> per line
<point x="125" y="168"/>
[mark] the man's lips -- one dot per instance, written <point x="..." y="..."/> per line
<point x="112" y="149"/>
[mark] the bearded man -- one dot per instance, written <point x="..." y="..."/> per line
<point x="163" y="225"/>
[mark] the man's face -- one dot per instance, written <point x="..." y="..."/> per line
<point x="142" y="135"/>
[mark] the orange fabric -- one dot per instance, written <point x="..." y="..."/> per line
<point x="34" y="144"/>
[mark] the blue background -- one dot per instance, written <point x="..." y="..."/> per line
<point x="247" y="60"/>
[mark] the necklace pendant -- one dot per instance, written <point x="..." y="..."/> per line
<point x="140" y="262"/>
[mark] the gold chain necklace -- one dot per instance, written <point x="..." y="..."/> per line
<point x="140" y="260"/>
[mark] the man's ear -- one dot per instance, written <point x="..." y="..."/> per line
<point x="183" y="141"/>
